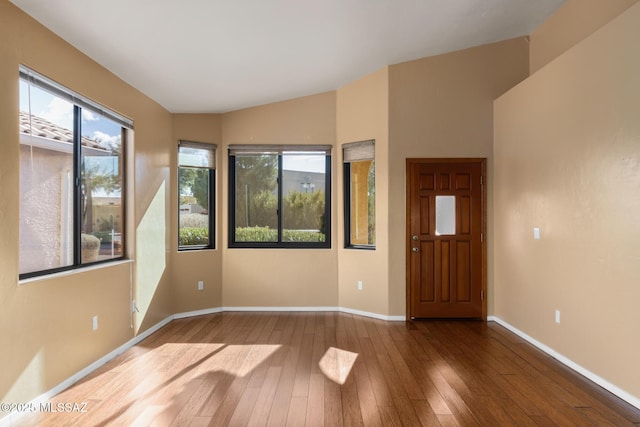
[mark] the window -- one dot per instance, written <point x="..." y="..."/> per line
<point x="72" y="178"/>
<point x="280" y="196"/>
<point x="445" y="215"/>
<point x="196" y="183"/>
<point x="359" y="194"/>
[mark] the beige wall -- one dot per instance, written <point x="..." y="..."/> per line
<point x="574" y="21"/>
<point x="442" y="106"/>
<point x="189" y="267"/>
<point x="45" y="325"/>
<point x="280" y="277"/>
<point x="567" y="160"/>
<point x="363" y="114"/>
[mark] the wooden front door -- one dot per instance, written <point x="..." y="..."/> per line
<point x="445" y="253"/>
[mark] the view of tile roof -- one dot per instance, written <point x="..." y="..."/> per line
<point x="37" y="126"/>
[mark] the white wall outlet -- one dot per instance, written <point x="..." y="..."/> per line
<point x="200" y="285"/>
<point x="536" y="233"/>
<point x="95" y="323"/>
<point x="557" y="316"/>
<point x="359" y="285"/>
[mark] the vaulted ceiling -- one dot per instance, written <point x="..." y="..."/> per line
<point x="215" y="56"/>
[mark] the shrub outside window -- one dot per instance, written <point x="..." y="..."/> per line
<point x="72" y="178"/>
<point x="360" y="194"/>
<point x="196" y="187"/>
<point x="279" y="196"/>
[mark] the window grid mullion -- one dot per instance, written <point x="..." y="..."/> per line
<point x="77" y="185"/>
<point x="211" y="207"/>
<point x="232" y="199"/>
<point x="347" y="204"/>
<point x="280" y="162"/>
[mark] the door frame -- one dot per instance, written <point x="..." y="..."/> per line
<point x="483" y="222"/>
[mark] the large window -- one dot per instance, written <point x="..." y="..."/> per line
<point x="360" y="194"/>
<point x="72" y="178"/>
<point x="279" y="196"/>
<point x="196" y="183"/>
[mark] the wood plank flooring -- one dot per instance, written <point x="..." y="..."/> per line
<point x="334" y="369"/>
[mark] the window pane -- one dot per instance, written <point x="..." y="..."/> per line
<point x="71" y="185"/>
<point x="256" y="198"/>
<point x="303" y="197"/>
<point x="363" y="203"/>
<point x="194" y="202"/>
<point x="46" y="180"/>
<point x="101" y="187"/>
<point x="445" y="215"/>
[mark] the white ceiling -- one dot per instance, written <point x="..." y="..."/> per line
<point x="196" y="56"/>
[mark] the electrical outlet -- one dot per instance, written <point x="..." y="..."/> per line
<point x="557" y="316"/>
<point x="200" y="285"/>
<point x="359" y="285"/>
<point x="95" y="323"/>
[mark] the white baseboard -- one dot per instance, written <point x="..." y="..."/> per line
<point x="622" y="394"/>
<point x="267" y="309"/>
<point x="197" y="313"/>
<point x="339" y="309"/>
<point x="12" y="418"/>
<point x="373" y="315"/>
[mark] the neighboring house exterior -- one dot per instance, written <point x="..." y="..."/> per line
<point x="46" y="204"/>
<point x="304" y="182"/>
<point x="191" y="208"/>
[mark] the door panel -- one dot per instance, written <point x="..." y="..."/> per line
<point x="424" y="210"/>
<point x="427" y="273"/>
<point x="445" y="262"/>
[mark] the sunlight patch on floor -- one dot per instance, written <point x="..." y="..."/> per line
<point x="336" y="364"/>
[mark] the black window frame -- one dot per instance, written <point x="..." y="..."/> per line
<point x="346" y="168"/>
<point x="79" y="103"/>
<point x="212" y="196"/>
<point x="280" y="151"/>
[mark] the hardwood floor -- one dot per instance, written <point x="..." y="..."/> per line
<point x="333" y="369"/>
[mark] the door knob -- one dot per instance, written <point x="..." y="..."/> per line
<point x="415" y="250"/>
<point x="415" y="237"/>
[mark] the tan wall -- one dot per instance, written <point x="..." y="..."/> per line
<point x="363" y="114"/>
<point x="567" y="160"/>
<point x="442" y="106"/>
<point x="574" y="21"/>
<point x="188" y="267"/>
<point x="279" y="277"/>
<point x="45" y="326"/>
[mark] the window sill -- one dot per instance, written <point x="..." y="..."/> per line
<point x="362" y="247"/>
<point x="290" y="245"/>
<point x="74" y="271"/>
<point x="196" y="249"/>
